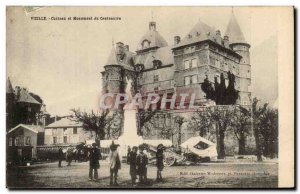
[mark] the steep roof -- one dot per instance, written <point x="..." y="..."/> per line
<point x="24" y="96"/>
<point x="33" y="128"/>
<point x="201" y="29"/>
<point x="234" y="31"/>
<point x="64" y="122"/>
<point x="200" y="32"/>
<point x="112" y="59"/>
<point x="163" y="54"/>
<point x="155" y="39"/>
<point x="9" y="89"/>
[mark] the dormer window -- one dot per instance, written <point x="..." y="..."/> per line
<point x="157" y="64"/>
<point x="146" y="44"/>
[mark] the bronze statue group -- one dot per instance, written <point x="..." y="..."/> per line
<point x="137" y="159"/>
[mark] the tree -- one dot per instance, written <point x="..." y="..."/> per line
<point x="99" y="122"/>
<point x="179" y="120"/>
<point x="201" y="123"/>
<point x="222" y="116"/>
<point x="144" y="117"/>
<point x="221" y="94"/>
<point x="269" y="132"/>
<point x="241" y="124"/>
<point x="257" y="113"/>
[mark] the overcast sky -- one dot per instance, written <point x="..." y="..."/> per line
<point x="61" y="60"/>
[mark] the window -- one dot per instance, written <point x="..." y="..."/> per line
<point x="248" y="74"/>
<point x="186" y="64"/>
<point x="156" y="89"/>
<point x="10" y="141"/>
<point x="16" y="141"/>
<point x="75" y="130"/>
<point x="194" y="63"/>
<point x="65" y="131"/>
<point x="65" y="139"/>
<point x="194" y="79"/>
<point x="29" y="109"/>
<point x="54" y="140"/>
<point x="155" y="78"/>
<point x="28" y="141"/>
<point x="146" y="44"/>
<point x="187" y="80"/>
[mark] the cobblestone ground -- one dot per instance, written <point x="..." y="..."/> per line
<point x="207" y="175"/>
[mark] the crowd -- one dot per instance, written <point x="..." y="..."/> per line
<point x="137" y="159"/>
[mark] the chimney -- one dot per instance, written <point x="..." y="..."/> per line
<point x="226" y="41"/>
<point x="176" y="40"/>
<point x="152" y="26"/>
<point x="218" y="37"/>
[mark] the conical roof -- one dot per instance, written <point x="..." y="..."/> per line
<point x="112" y="59"/>
<point x="154" y="38"/>
<point x="9" y="89"/>
<point x="234" y="31"/>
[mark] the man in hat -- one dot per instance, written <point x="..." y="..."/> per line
<point x="142" y="163"/>
<point x="132" y="163"/>
<point x="94" y="156"/>
<point x="115" y="163"/>
<point x="159" y="161"/>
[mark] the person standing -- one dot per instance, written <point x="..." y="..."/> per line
<point x="69" y="156"/>
<point x="115" y="164"/>
<point x="142" y="162"/>
<point x="159" y="162"/>
<point x="94" y="156"/>
<point x="132" y="163"/>
<point x="128" y="154"/>
<point x="60" y="156"/>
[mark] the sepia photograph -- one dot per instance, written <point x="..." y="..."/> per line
<point x="149" y="97"/>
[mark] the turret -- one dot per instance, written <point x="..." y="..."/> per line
<point x="238" y="44"/>
<point x="113" y="73"/>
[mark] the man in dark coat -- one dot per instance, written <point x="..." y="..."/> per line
<point x="132" y="162"/>
<point x="159" y="161"/>
<point x="142" y="163"/>
<point x="94" y="157"/>
<point x="60" y="156"/>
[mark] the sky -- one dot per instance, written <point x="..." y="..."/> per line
<point x="61" y="61"/>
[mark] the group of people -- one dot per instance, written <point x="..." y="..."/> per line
<point x="137" y="159"/>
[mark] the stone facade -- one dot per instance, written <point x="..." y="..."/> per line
<point x="157" y="67"/>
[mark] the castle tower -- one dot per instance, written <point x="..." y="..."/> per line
<point x="113" y="75"/>
<point x="238" y="44"/>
